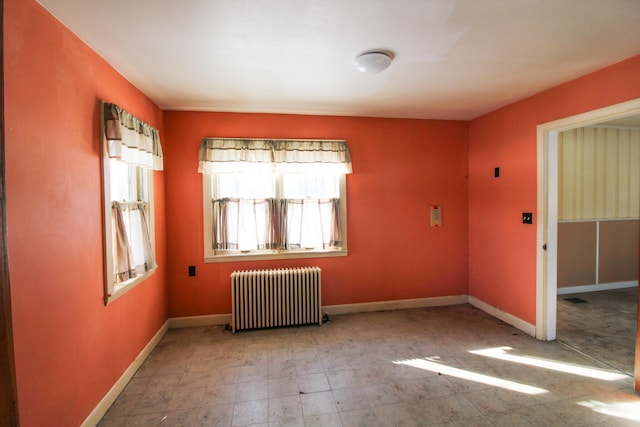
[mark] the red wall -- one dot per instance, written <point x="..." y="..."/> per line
<point x="502" y="250"/>
<point x="69" y="348"/>
<point x="400" y="168"/>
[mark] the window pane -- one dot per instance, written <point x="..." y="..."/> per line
<point x="128" y="183"/>
<point x="246" y="186"/>
<point x="119" y="180"/>
<point x="310" y="186"/>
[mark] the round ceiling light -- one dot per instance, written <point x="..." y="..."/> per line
<point x="373" y="61"/>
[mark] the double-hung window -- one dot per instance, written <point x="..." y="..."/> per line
<point x="131" y="152"/>
<point x="274" y="198"/>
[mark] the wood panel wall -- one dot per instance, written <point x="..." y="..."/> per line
<point x="599" y="173"/>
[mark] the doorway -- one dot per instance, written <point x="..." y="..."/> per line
<point x="547" y="234"/>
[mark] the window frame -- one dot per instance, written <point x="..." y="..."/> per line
<point x="213" y="256"/>
<point x="113" y="291"/>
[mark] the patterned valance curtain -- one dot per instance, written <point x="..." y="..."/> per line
<point x="131" y="140"/>
<point x="219" y="155"/>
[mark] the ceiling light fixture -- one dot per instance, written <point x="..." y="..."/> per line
<point x="373" y="61"/>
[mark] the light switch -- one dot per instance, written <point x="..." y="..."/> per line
<point x="436" y="215"/>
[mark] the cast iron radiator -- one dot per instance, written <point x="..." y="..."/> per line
<point x="273" y="298"/>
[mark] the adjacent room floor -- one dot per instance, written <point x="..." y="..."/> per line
<point x="601" y="324"/>
<point x="451" y="365"/>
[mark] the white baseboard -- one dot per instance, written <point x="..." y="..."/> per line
<point x="594" y="288"/>
<point x="223" y="319"/>
<point x="193" y="321"/>
<point x="394" y="305"/>
<point x="103" y="406"/>
<point x="510" y="319"/>
<point x="332" y="310"/>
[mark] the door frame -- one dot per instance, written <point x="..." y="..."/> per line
<point x="547" y="227"/>
<point x="8" y="390"/>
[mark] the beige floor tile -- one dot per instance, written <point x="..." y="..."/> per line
<point x="224" y="375"/>
<point x="313" y="383"/>
<point x="322" y="420"/>
<point x="280" y="387"/>
<point x="447" y="409"/>
<point x="500" y="400"/>
<point x="180" y="418"/>
<point x="382" y="394"/>
<point x="194" y="380"/>
<point x="285" y="408"/>
<point x="187" y="398"/>
<point x="291" y="422"/>
<point x="216" y="415"/>
<point x="163" y="382"/>
<point x="343" y="379"/>
<point x="125" y="404"/>
<point x="282" y="368"/>
<point x="219" y="394"/>
<point x="251" y="412"/>
<point x="359" y="418"/>
<point x="318" y="403"/>
<point x="395" y="415"/>
<point x="309" y="366"/>
<point x="350" y="399"/>
<point x="143" y="420"/>
<point x="157" y="401"/>
<point x="251" y="373"/>
<point x="343" y="373"/>
<point x="252" y="390"/>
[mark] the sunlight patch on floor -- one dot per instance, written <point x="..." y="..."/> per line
<point x="502" y="354"/>
<point x="471" y="376"/>
<point x="626" y="410"/>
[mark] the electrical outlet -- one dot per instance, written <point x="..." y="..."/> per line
<point x="192" y="270"/>
<point x="527" y="218"/>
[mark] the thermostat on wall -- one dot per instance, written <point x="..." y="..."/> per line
<point x="436" y="215"/>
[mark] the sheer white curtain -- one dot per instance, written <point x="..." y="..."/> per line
<point x="310" y="211"/>
<point x="131" y="144"/>
<point x="132" y="249"/>
<point x="245" y="224"/>
<point x="310" y="224"/>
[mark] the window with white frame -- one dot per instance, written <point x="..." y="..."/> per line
<point x="274" y="198"/>
<point x="131" y="152"/>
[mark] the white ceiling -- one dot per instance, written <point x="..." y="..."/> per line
<point x="453" y="59"/>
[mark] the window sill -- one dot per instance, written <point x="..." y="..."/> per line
<point x="123" y="288"/>
<point x="272" y="256"/>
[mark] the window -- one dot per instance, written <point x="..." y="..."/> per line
<point x="255" y="207"/>
<point x="132" y="150"/>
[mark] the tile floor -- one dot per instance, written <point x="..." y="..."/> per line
<point x="603" y="327"/>
<point x="448" y="366"/>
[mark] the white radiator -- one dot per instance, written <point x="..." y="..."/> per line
<point x="272" y="298"/>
